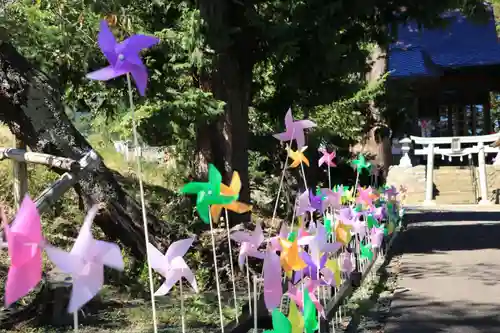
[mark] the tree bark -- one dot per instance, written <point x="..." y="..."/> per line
<point x="379" y="133"/>
<point x="231" y="82"/>
<point x="32" y="108"/>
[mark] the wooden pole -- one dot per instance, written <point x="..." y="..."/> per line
<point x="20" y="175"/>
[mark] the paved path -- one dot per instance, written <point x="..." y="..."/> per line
<point x="450" y="274"/>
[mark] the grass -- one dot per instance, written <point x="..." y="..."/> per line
<point x="115" y="310"/>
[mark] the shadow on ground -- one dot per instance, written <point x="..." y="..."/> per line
<point x="415" y="216"/>
<point x="449" y="272"/>
<point x="426" y="315"/>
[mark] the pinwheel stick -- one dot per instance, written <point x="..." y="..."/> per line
<point x="217" y="282"/>
<point x="329" y="178"/>
<point x="255" y="323"/>
<point x="75" y="321"/>
<point x="305" y="184"/>
<point x="355" y="184"/>
<point x="143" y="203"/>
<point x="280" y="187"/>
<point x="181" y="295"/>
<point x="232" y="265"/>
<point x="248" y="285"/>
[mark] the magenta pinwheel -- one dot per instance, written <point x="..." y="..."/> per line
<point x="123" y="57"/>
<point x="327" y="158"/>
<point x="294" y="130"/>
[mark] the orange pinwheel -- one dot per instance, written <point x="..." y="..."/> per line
<point x="290" y="258"/>
<point x="342" y="233"/>
<point x="232" y="190"/>
<point x="297" y="156"/>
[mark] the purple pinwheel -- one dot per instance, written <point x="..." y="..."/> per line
<point x="311" y="270"/>
<point x="378" y="213"/>
<point x="275" y="240"/>
<point x="346" y="214"/>
<point x="320" y="245"/>
<point x="391" y="192"/>
<point x="317" y="202"/>
<point x="123" y="57"/>
<point x="294" y="130"/>
<point x="249" y="244"/>
<point x="346" y="264"/>
<point x="304" y="204"/>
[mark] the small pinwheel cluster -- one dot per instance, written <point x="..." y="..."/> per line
<point x="343" y="220"/>
<point x="84" y="263"/>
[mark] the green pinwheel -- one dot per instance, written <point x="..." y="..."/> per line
<point x="281" y="324"/>
<point x="360" y="163"/>
<point x="371" y="222"/>
<point x="366" y="251"/>
<point x="310" y="315"/>
<point x="208" y="193"/>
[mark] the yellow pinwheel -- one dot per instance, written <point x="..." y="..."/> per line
<point x="235" y="206"/>
<point x="297" y="156"/>
<point x="342" y="233"/>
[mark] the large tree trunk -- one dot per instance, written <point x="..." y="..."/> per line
<point x="32" y="108"/>
<point x="378" y="137"/>
<point x="231" y="83"/>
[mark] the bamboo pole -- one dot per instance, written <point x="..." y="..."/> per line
<point x="20" y="175"/>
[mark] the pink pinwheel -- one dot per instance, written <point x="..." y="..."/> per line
<point x="85" y="262"/>
<point x="172" y="265"/>
<point x="294" y="130"/>
<point x="320" y="245"/>
<point x="296" y="294"/>
<point x="123" y="57"/>
<point x="249" y="244"/>
<point x="365" y="196"/>
<point x="304" y="204"/>
<point x="327" y="158"/>
<point x="24" y="237"/>
<point x="331" y="199"/>
<point x="273" y="290"/>
<point x="376" y="237"/>
<point x="275" y="240"/>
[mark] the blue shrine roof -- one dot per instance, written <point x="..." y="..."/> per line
<point x="427" y="52"/>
